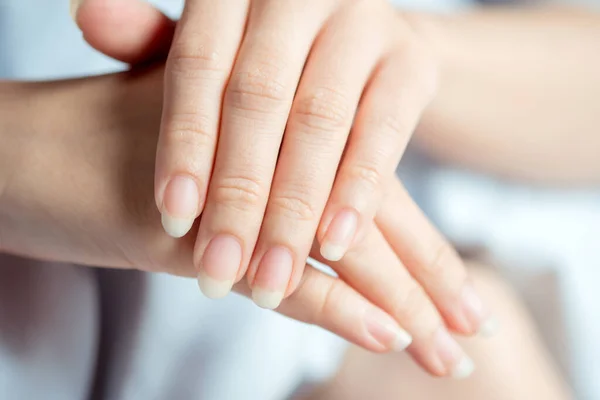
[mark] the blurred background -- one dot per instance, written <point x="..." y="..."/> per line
<point x="536" y="243"/>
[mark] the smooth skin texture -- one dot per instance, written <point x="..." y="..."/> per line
<point x="513" y="365"/>
<point x="518" y="94"/>
<point x="469" y="50"/>
<point x="283" y="115"/>
<point x="80" y="196"/>
<point x="392" y="288"/>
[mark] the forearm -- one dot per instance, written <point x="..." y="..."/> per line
<point x="15" y="132"/>
<point x="518" y="93"/>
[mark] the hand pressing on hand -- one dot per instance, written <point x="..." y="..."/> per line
<point x="282" y="121"/>
<point x="402" y="265"/>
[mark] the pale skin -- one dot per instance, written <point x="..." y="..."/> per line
<point x="303" y="99"/>
<point x="438" y="266"/>
<point x="283" y="114"/>
<point x="512" y="365"/>
<point x="518" y="94"/>
<point x="76" y="167"/>
<point x="68" y="239"/>
<point x="557" y="144"/>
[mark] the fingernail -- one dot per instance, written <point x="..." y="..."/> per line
<point x="272" y="277"/>
<point x="477" y="314"/>
<point x="459" y="365"/>
<point x="180" y="206"/>
<point x="219" y="266"/>
<point x="386" y="331"/>
<point x="339" y="235"/>
<point x="212" y="288"/>
<point x="489" y="328"/>
<point x="74" y="6"/>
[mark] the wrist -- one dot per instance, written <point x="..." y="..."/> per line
<point x="40" y="128"/>
<point x="15" y="136"/>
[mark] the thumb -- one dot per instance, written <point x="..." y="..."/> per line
<point x="131" y="31"/>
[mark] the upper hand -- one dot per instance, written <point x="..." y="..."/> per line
<point x="417" y="271"/>
<point x="283" y="120"/>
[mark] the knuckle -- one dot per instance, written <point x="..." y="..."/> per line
<point x="411" y="303"/>
<point x="365" y="173"/>
<point x="323" y="110"/>
<point x="193" y="59"/>
<point x="260" y="88"/>
<point x="394" y="125"/>
<point x="332" y="296"/>
<point x="241" y="193"/>
<point x="294" y="206"/>
<point x="191" y="129"/>
<point x="442" y="256"/>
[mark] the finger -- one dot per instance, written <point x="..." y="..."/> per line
<point x="390" y="109"/>
<point x="374" y="270"/>
<point x="198" y="67"/>
<point x="132" y="31"/>
<point x="333" y="305"/>
<point x="317" y="130"/>
<point x="256" y="106"/>
<point x="433" y="263"/>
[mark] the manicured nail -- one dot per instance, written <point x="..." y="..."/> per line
<point x="212" y="288"/>
<point x="272" y="277"/>
<point x="386" y="331"/>
<point x="180" y="206"/>
<point x="219" y="266"/>
<point x="74" y="6"/>
<point x="489" y="328"/>
<point x="340" y="235"/>
<point x="458" y="364"/>
<point x="477" y="314"/>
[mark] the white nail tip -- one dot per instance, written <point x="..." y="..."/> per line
<point x="332" y="253"/>
<point x="489" y="328"/>
<point x="213" y="288"/>
<point x="74" y="5"/>
<point x="463" y="369"/>
<point x="176" y="227"/>
<point x="267" y="299"/>
<point x="403" y="340"/>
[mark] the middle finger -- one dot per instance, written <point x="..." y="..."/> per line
<point x="256" y="105"/>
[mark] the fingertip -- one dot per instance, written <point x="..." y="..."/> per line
<point x="213" y="288"/>
<point x="131" y="31"/>
<point x="340" y="235"/>
<point x="489" y="328"/>
<point x="219" y="265"/>
<point x="331" y="252"/>
<point x="463" y="369"/>
<point x="272" y="277"/>
<point x="267" y="299"/>
<point x="176" y="227"/>
<point x="73" y="8"/>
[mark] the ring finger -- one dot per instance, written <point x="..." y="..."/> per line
<point x="340" y="64"/>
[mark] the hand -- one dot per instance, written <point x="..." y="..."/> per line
<point x="80" y="195"/>
<point x="340" y="77"/>
<point x="402" y="231"/>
